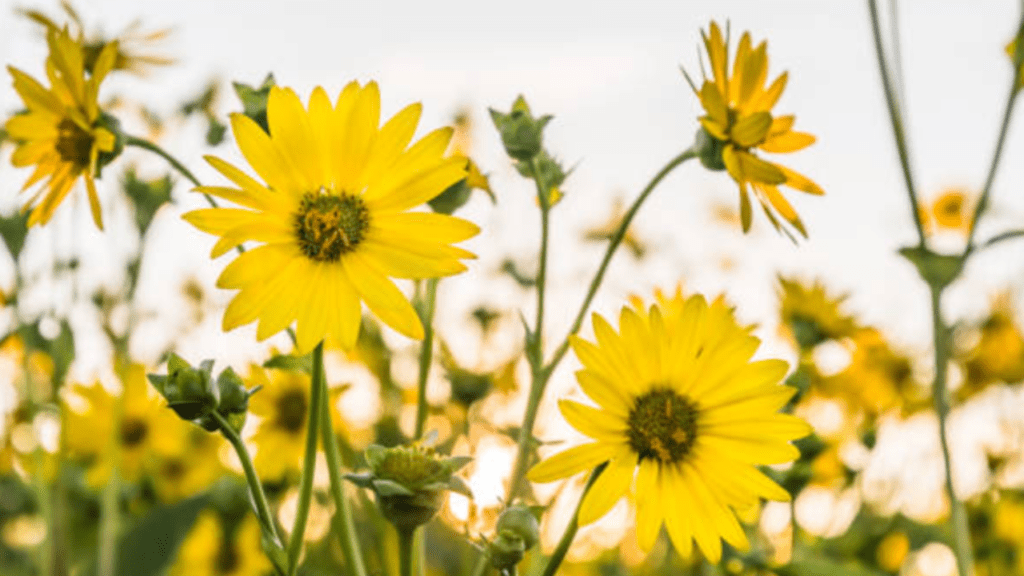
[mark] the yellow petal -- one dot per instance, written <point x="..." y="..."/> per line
<point x="800" y="182"/>
<point x="714" y="102"/>
<point x="572" y="461"/>
<point x="263" y="156"/>
<point x="392" y="140"/>
<point x="609" y="487"/>
<point x="292" y="136"/>
<point x="751" y="129"/>
<point x="650" y="509"/>
<point x="384" y="299"/>
<point x="593" y="422"/>
<point x="421" y="187"/>
<point x="426" y="226"/>
<point x="787" y="142"/>
<point x="360" y="132"/>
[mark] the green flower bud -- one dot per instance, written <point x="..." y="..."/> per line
<point x="410" y="482"/>
<point x="189" y="391"/>
<point x="517" y="532"/>
<point x="521" y="133"/>
<point x="709" y="150"/>
<point x="114" y="126"/>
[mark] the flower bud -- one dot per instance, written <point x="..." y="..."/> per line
<point x="709" y="150"/>
<point x="517" y="532"/>
<point x="410" y="482"/>
<point x="113" y="125"/>
<point x="189" y="391"/>
<point x="521" y="133"/>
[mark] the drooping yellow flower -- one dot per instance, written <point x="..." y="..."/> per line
<point x="681" y="406"/>
<point x="739" y="118"/>
<point x="282" y="406"/>
<point x="133" y="43"/>
<point x="212" y="548"/>
<point x="333" y="216"/>
<point x="62" y="133"/>
<point x="147" y="428"/>
<point x="811" y="314"/>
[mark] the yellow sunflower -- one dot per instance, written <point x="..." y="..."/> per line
<point x="739" y="119"/>
<point x="211" y="549"/>
<point x="811" y="314"/>
<point x="191" y="467"/>
<point x="282" y="406"/>
<point x="147" y="428"/>
<point x="950" y="210"/>
<point x="333" y="216"/>
<point x="681" y="406"/>
<point x="63" y="132"/>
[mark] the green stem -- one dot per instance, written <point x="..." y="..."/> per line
<point x="259" y="498"/>
<point x="110" y="503"/>
<point x="540" y="374"/>
<point x="570" y="531"/>
<point x="896" y="119"/>
<point x="536" y="344"/>
<point x="147" y="145"/>
<point x="316" y="395"/>
<point x="613" y="245"/>
<point x="405" y="538"/>
<point x="958" y="512"/>
<point x="426" y="354"/>
<point x="343" y="516"/>
<point x="483" y="562"/>
<point x="996" y="157"/>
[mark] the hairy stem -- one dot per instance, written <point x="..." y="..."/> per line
<point x="343" y="515"/>
<point x="259" y="497"/>
<point x="316" y="396"/>
<point x="426" y="354"/>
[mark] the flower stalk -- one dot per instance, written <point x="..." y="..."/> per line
<point x="316" y="397"/>
<point x="427" y="307"/>
<point x="555" y="561"/>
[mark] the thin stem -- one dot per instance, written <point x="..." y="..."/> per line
<point x="958" y="512"/>
<point x="897" y="122"/>
<point x="316" y="396"/>
<point x="259" y="498"/>
<point x="343" y="516"/>
<point x="544" y="199"/>
<point x="110" y="503"/>
<point x="426" y="354"/>
<point x="570" y="531"/>
<point x="405" y="538"/>
<point x="613" y="244"/>
<point x="147" y="145"/>
<point x="996" y="157"/>
<point x="483" y="562"/>
<point x="897" y="55"/>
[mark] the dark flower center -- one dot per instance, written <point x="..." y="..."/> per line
<point x="291" y="411"/>
<point x="662" y="426"/>
<point x="73" y="144"/>
<point x="227" y="557"/>
<point x="328" y="225"/>
<point x="133" y="431"/>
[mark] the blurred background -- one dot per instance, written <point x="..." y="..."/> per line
<point x="610" y="76"/>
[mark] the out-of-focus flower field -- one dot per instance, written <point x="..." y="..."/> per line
<point x="343" y="387"/>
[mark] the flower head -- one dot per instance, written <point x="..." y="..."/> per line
<point x="812" y="314"/>
<point x="410" y="481"/>
<point x="131" y="45"/>
<point x="950" y="210"/>
<point x="681" y="407"/>
<point x="216" y="548"/>
<point x="64" y="133"/>
<point x="332" y="216"/>
<point x="739" y="121"/>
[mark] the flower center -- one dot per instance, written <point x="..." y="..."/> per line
<point x="409" y="467"/>
<point x="73" y="144"/>
<point x="291" y="411"/>
<point x="662" y="426"/>
<point x="329" y="225"/>
<point x="133" y="431"/>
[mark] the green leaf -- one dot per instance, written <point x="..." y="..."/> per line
<point x="13" y="229"/>
<point x="386" y="487"/>
<point x="146" y="195"/>
<point x="289" y="362"/>
<point x="938" y="270"/>
<point x="453" y="198"/>
<point x="149" y="547"/>
<point x="254" y="100"/>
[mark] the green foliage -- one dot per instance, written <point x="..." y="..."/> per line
<point x="254" y="100"/>
<point x="147" y="196"/>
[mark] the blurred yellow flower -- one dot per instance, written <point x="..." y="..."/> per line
<point x="682" y="407"/>
<point x="132" y="42"/>
<point x="212" y="548"/>
<point x="950" y="210"/>
<point x="999" y="352"/>
<point x="145" y="428"/>
<point x="282" y="406"/>
<point x="333" y="216"/>
<point x="811" y="314"/>
<point x="192" y="467"/>
<point x="63" y="132"/>
<point x="739" y="118"/>
<point x="606" y="231"/>
<point x="892" y="551"/>
<point x="877" y="379"/>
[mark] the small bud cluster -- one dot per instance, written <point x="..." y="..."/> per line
<point x="523" y="137"/>
<point x="517" y="532"/>
<point x="196" y="396"/>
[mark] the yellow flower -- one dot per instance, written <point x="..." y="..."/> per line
<point x="147" y="428"/>
<point x="282" y="406"/>
<point x="333" y="216"/>
<point x="739" y="118"/>
<point x="192" y="467"/>
<point x="812" y="314"/>
<point x="950" y="210"/>
<point x="62" y="133"/>
<point x="999" y="353"/>
<point x="213" y="549"/>
<point x="681" y="405"/>
<point x="892" y="551"/>
<point x="131" y="42"/>
<point x="877" y="379"/>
